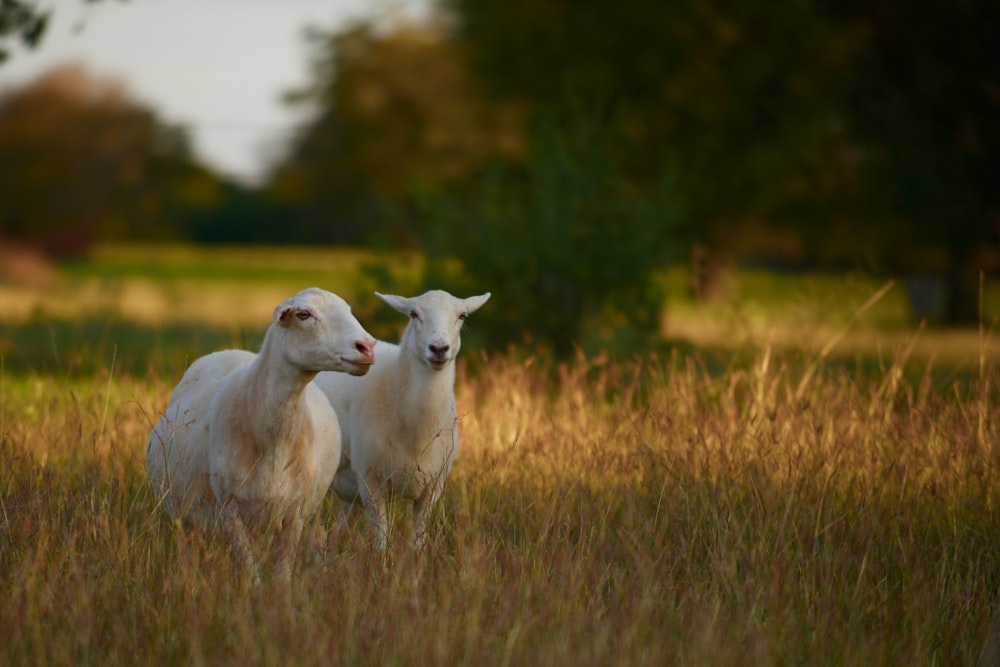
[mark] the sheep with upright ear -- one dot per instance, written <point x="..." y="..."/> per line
<point x="399" y="423"/>
<point x="249" y="440"/>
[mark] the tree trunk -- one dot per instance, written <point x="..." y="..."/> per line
<point x="962" y="288"/>
<point x="710" y="269"/>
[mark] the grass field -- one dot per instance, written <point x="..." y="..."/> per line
<point x="759" y="505"/>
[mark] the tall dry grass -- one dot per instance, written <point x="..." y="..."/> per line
<point x="599" y="513"/>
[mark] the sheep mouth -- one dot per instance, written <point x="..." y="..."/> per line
<point x="357" y="366"/>
<point x="438" y="363"/>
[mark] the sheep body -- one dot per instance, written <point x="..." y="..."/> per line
<point x="248" y="440"/>
<point x="399" y="423"/>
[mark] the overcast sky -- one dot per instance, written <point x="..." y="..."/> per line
<point x="218" y="67"/>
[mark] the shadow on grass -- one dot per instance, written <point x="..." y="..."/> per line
<point x="93" y="345"/>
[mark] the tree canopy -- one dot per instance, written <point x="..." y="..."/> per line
<point x="82" y="161"/>
<point x="394" y="112"/>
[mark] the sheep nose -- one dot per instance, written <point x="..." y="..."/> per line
<point x="439" y="350"/>
<point x="366" y="348"/>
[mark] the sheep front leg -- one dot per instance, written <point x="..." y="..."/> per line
<point x="376" y="511"/>
<point x="422" y="508"/>
<point x="241" y="542"/>
<point x="285" y="547"/>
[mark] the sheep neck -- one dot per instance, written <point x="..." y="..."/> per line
<point x="275" y="400"/>
<point x="421" y="386"/>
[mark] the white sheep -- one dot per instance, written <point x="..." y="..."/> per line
<point x="248" y="440"/>
<point x="399" y="424"/>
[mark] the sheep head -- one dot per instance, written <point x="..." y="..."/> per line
<point x="436" y="319"/>
<point x="321" y="334"/>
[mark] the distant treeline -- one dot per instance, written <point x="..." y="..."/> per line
<point x="571" y="147"/>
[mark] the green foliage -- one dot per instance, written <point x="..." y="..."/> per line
<point x="747" y="96"/>
<point x="566" y="244"/>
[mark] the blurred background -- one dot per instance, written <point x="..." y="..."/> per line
<point x="565" y="154"/>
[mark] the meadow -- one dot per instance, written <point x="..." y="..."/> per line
<point x="801" y="476"/>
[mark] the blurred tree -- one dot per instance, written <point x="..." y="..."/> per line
<point x="868" y="130"/>
<point x="927" y="105"/>
<point x="394" y="110"/>
<point x="246" y="215"/>
<point x="80" y="161"/>
<point x="23" y="22"/>
<point x="569" y="242"/>
<point x="747" y="95"/>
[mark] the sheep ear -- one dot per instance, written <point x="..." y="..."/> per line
<point x="282" y="313"/>
<point x="399" y="303"/>
<point x="474" y="303"/>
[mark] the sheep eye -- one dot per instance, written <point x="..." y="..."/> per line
<point x="462" y="316"/>
<point x="414" y="315"/>
<point x="303" y="314"/>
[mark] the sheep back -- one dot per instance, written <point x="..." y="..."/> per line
<point x="178" y="449"/>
